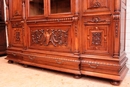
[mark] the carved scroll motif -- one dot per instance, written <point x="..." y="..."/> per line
<point x="96" y="20"/>
<point x="96" y="38"/>
<point x="57" y="37"/>
<point x="96" y="4"/>
<point x="16" y="13"/>
<point x="17" y="25"/>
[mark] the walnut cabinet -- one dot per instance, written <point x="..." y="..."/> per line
<point x="82" y="37"/>
<point x="2" y="30"/>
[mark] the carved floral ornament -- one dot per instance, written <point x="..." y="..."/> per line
<point x="96" y="4"/>
<point x="96" y="20"/>
<point x="56" y="37"/>
<point x="17" y="25"/>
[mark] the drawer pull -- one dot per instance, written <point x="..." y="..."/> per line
<point x="58" y="62"/>
<point x="31" y="57"/>
<point x="13" y="54"/>
<point x="92" y="66"/>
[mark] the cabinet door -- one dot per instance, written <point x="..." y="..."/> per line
<point x="16" y="34"/>
<point x="96" y="38"/>
<point x="15" y="7"/>
<point x="96" y="5"/>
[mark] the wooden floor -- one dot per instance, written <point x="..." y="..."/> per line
<point x="15" y="75"/>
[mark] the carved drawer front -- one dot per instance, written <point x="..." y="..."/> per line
<point x="96" y="5"/>
<point x="100" y="66"/>
<point x="17" y="34"/>
<point x="50" y="38"/>
<point x="16" y="8"/>
<point x="15" y="56"/>
<point x="54" y="61"/>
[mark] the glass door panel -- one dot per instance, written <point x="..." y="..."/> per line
<point x="60" y="6"/>
<point x="36" y="7"/>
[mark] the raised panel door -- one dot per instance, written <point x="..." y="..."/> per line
<point x="17" y="34"/>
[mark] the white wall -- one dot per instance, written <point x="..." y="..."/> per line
<point x="128" y="34"/>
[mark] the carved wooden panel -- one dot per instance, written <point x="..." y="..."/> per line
<point x="95" y="5"/>
<point x="54" y="38"/>
<point x="16" y="8"/>
<point x="96" y="38"/>
<point x="17" y="34"/>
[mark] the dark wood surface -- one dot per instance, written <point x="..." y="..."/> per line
<point x="2" y="30"/>
<point x="87" y="38"/>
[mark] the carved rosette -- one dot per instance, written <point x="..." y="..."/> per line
<point x="96" y="4"/>
<point x="56" y="37"/>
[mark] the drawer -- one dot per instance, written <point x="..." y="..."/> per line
<point x="17" y="57"/>
<point x="101" y="66"/>
<point x="54" y="61"/>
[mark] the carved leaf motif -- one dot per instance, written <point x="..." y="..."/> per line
<point x="45" y="37"/>
<point x="96" y="4"/>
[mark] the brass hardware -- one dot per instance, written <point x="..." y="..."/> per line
<point x="59" y="62"/>
<point x="92" y="66"/>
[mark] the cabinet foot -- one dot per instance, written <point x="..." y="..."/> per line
<point x="26" y="66"/>
<point x="10" y="61"/>
<point x="116" y="83"/>
<point x="77" y="76"/>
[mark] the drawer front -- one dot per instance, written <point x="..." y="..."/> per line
<point x="17" y="57"/>
<point x="55" y="61"/>
<point x="101" y="66"/>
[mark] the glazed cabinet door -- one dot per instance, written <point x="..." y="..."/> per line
<point x="16" y="9"/>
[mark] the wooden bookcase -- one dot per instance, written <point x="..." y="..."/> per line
<point x="82" y="37"/>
